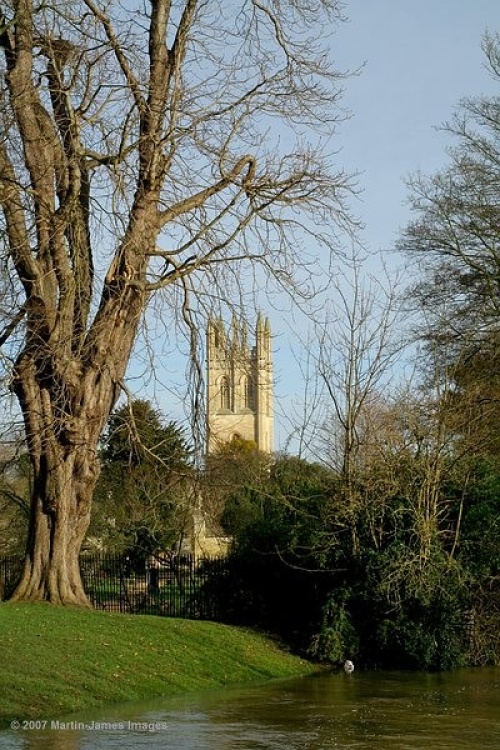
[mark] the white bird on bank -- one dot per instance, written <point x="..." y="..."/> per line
<point x="348" y="667"/>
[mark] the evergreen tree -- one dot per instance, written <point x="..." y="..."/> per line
<point x="144" y="494"/>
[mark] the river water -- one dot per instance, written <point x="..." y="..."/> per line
<point x="378" y="710"/>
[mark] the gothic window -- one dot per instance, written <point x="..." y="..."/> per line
<point x="248" y="393"/>
<point x="244" y="394"/>
<point x="225" y="393"/>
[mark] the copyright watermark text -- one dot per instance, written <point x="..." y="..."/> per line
<point x="54" y="725"/>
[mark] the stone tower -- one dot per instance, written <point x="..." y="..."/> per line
<point x="239" y="385"/>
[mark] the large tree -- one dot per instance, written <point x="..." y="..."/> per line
<point x="455" y="236"/>
<point x="144" y="146"/>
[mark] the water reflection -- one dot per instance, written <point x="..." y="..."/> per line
<point x="380" y="711"/>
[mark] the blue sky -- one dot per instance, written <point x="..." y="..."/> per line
<point x="420" y="59"/>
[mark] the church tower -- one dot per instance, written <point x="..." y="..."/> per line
<point x="239" y="385"/>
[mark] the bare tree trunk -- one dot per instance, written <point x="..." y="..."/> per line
<point x="51" y="567"/>
<point x="62" y="441"/>
<point x="60" y="515"/>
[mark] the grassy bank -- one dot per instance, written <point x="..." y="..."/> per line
<point x="54" y="661"/>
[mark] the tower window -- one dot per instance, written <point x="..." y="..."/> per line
<point x="249" y="393"/>
<point x="244" y="392"/>
<point x="225" y="394"/>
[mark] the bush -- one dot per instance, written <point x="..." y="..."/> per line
<point x="337" y="640"/>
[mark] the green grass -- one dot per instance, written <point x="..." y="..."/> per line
<point x="55" y="661"/>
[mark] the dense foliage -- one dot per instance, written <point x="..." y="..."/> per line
<point x="379" y="582"/>
<point x="143" y="497"/>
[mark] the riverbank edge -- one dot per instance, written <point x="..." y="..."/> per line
<point x="61" y="660"/>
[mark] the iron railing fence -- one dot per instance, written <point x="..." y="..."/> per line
<point x="10" y="571"/>
<point x="179" y="586"/>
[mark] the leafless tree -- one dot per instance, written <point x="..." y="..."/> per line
<point x="351" y="360"/>
<point x="145" y="146"/>
<point x="454" y="236"/>
<point x="455" y="231"/>
<point x="360" y="342"/>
